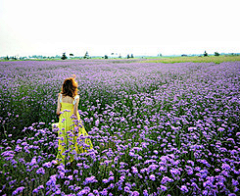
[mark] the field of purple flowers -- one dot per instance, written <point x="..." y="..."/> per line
<point x="157" y="129"/>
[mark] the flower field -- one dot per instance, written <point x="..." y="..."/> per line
<point x="157" y="128"/>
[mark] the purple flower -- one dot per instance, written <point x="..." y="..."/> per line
<point x="134" y="170"/>
<point x="35" y="190"/>
<point x="70" y="177"/>
<point x="67" y="182"/>
<point x="163" y="188"/>
<point x="18" y="190"/>
<point x="52" y="180"/>
<point x="184" y="189"/>
<point x="83" y="192"/>
<point x="105" y="181"/>
<point x="40" y="187"/>
<point x="135" y="193"/>
<point x="221" y="129"/>
<point x="235" y="182"/>
<point x="47" y="164"/>
<point x="33" y="161"/>
<point x="40" y="171"/>
<point x="152" y="177"/>
<point x="155" y="152"/>
<point x="205" y="192"/>
<point x="225" y="166"/>
<point x="189" y="169"/>
<point x="90" y="180"/>
<point x="152" y="167"/>
<point x="97" y="122"/>
<point x="145" y="193"/>
<point x="191" y="162"/>
<point x="207" y="183"/>
<point x="111" y="178"/>
<point x="166" y="179"/>
<point x="175" y="172"/>
<point x="126" y="189"/>
<point x="104" y="192"/>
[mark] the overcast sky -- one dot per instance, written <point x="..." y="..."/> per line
<point x="51" y="27"/>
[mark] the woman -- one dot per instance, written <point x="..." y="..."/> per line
<point x="71" y="133"/>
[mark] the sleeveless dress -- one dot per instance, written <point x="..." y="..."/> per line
<point x="70" y="142"/>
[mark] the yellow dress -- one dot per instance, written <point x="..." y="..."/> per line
<point x="70" y="144"/>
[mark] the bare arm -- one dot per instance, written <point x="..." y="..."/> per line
<point x="75" y="109"/>
<point x="58" y="105"/>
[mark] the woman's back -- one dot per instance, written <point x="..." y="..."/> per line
<point x="68" y="99"/>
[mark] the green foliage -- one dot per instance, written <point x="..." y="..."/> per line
<point x="86" y="56"/>
<point x="106" y="57"/>
<point x="194" y="59"/>
<point x="216" y="54"/>
<point x="205" y="53"/>
<point x="64" y="56"/>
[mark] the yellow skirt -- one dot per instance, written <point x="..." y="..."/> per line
<point x="70" y="143"/>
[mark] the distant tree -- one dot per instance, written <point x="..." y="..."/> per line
<point x="205" y="53"/>
<point x="216" y="54"/>
<point x="132" y="56"/>
<point x="13" y="58"/>
<point x="128" y="56"/>
<point x="106" y="57"/>
<point x="86" y="56"/>
<point x="6" y="58"/>
<point x="120" y="56"/>
<point x="184" y="55"/>
<point x="64" y="56"/>
<point x="71" y="54"/>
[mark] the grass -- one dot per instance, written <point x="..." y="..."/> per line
<point x="163" y="59"/>
<point x="194" y="59"/>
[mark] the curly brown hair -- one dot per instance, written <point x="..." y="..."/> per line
<point x="69" y="87"/>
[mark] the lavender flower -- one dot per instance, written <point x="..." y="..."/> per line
<point x="18" y="190"/>
<point x="40" y="171"/>
<point x="152" y="177"/>
<point x="184" y="189"/>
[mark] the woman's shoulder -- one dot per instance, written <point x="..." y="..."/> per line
<point x="76" y="97"/>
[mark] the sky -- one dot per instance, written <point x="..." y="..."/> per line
<point x="102" y="27"/>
